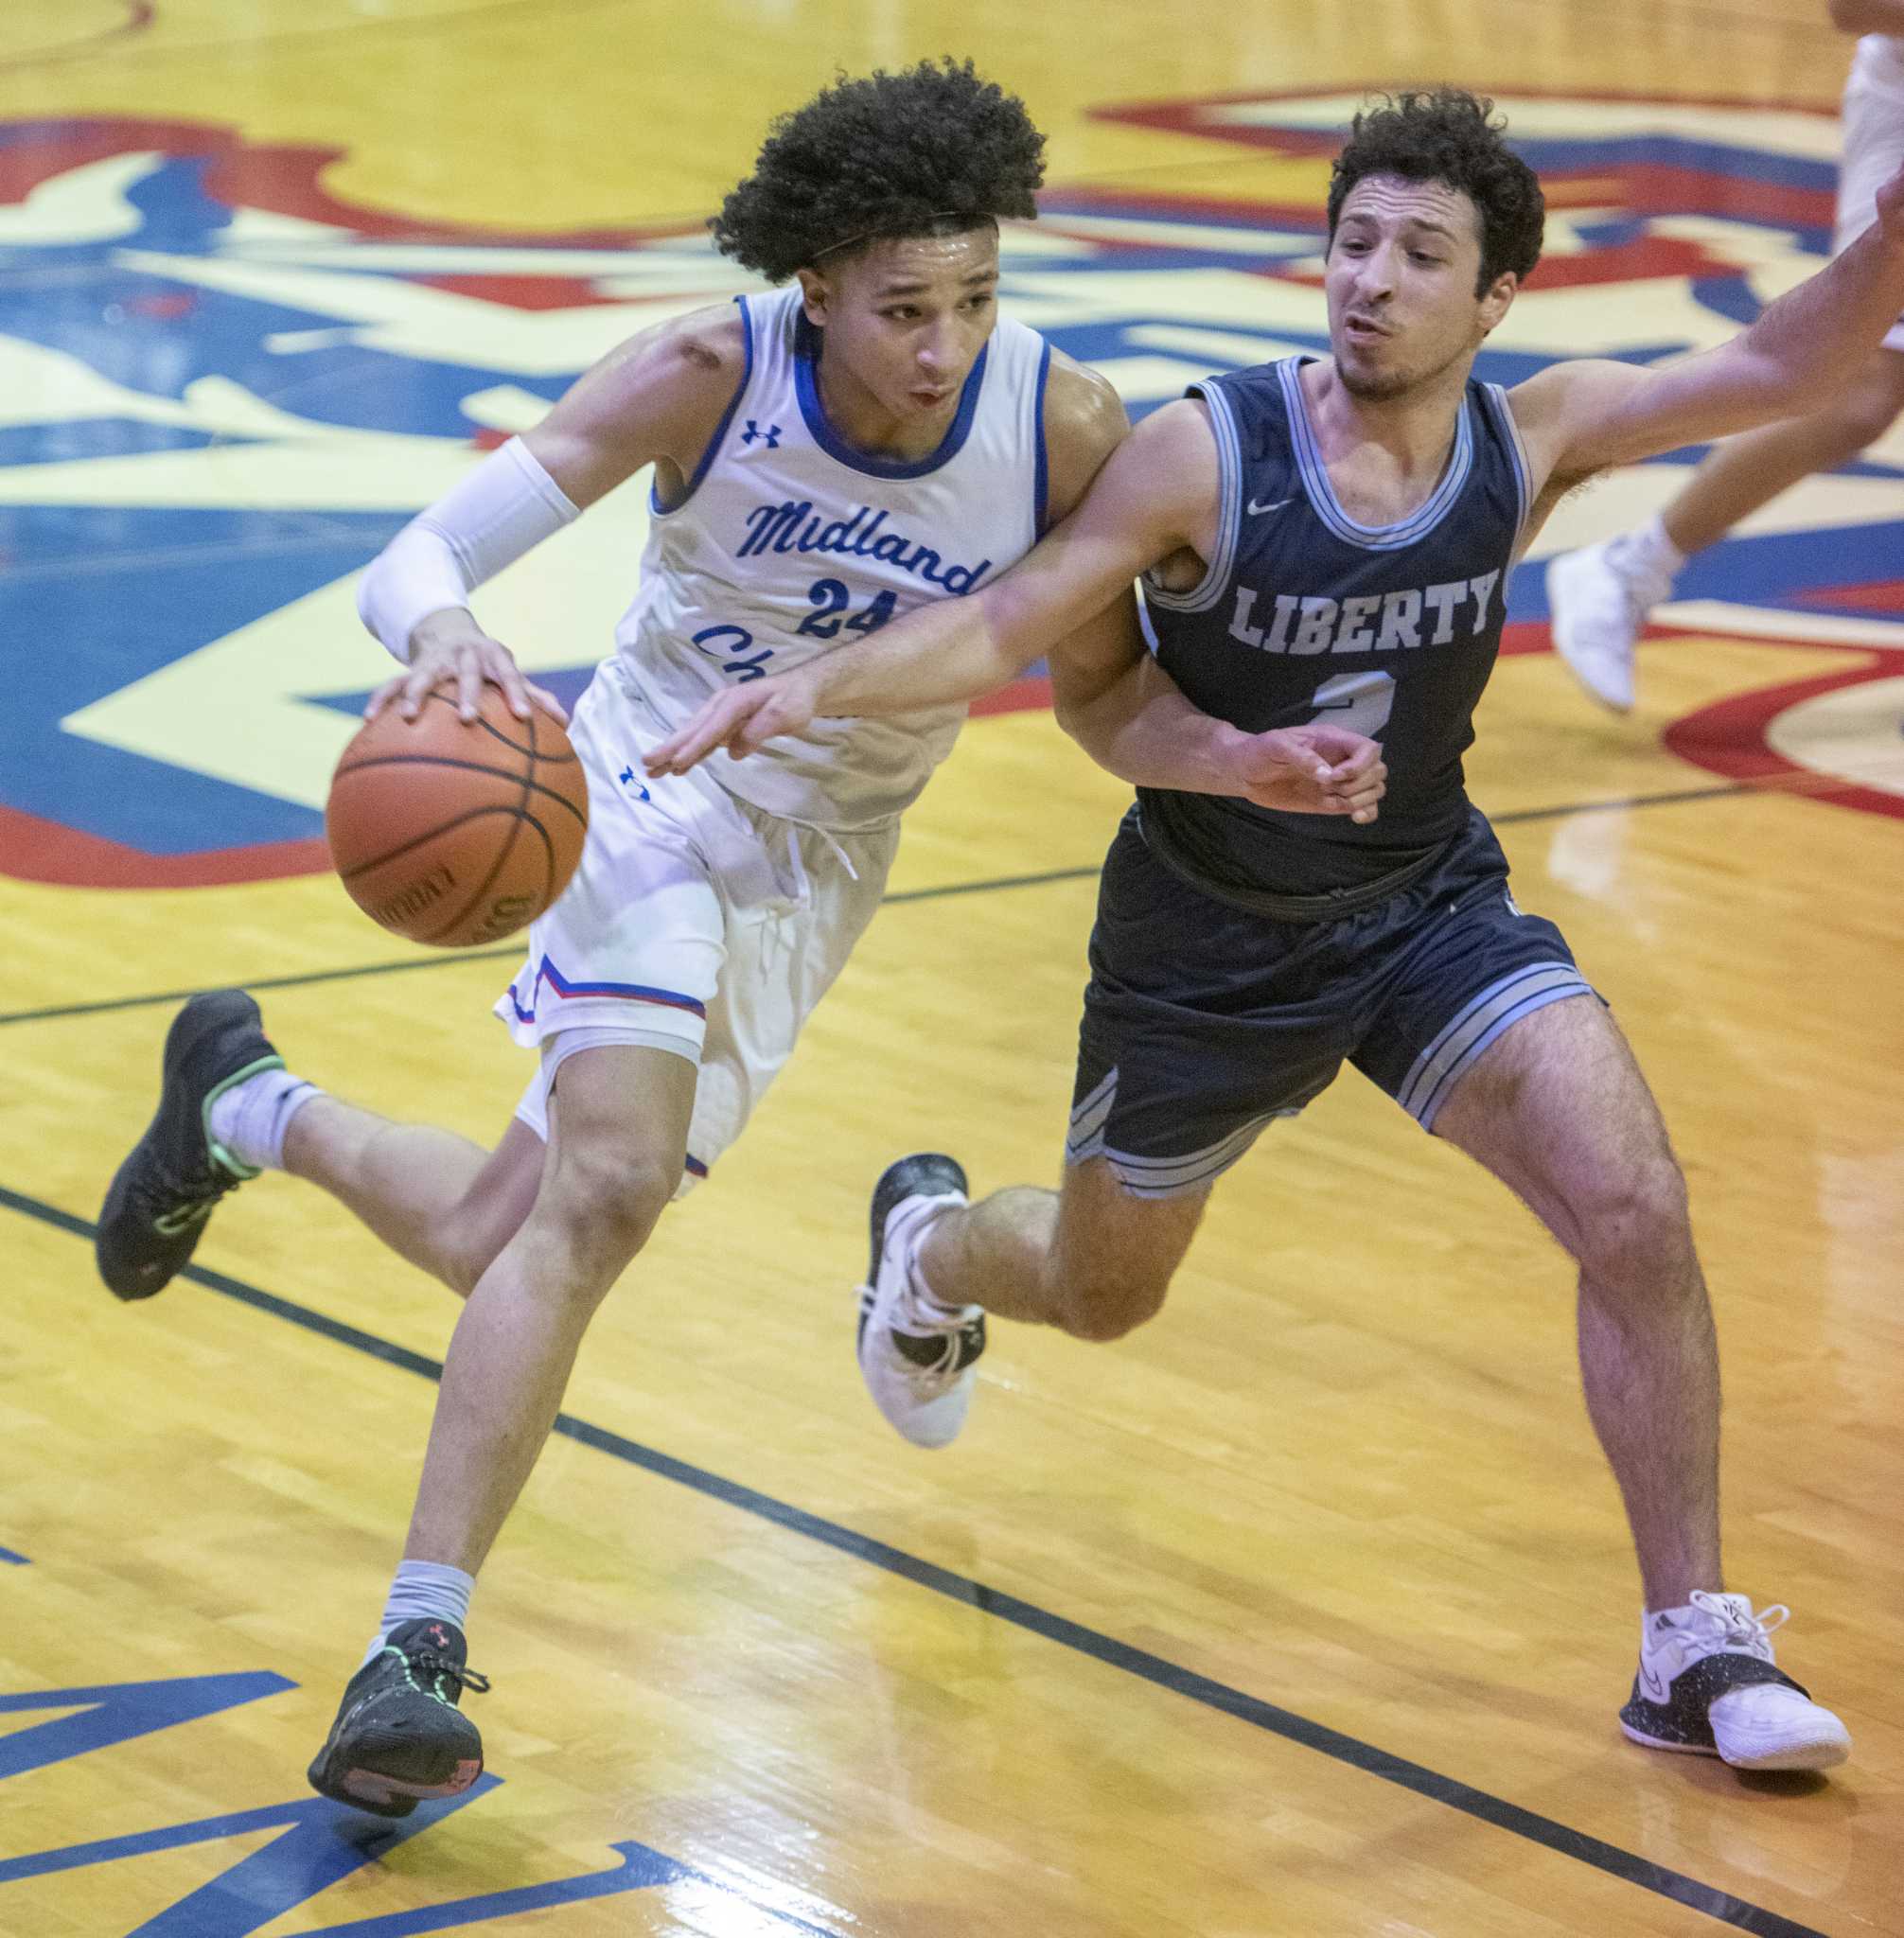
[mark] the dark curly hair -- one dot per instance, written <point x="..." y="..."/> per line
<point x="1446" y="134"/>
<point x="930" y="151"/>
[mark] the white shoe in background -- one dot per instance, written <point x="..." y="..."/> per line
<point x="1598" y="599"/>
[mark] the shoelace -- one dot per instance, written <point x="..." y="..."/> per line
<point x="958" y="1341"/>
<point x="1748" y="1634"/>
<point x="172" y="1206"/>
<point x="953" y="1342"/>
<point x="427" y="1661"/>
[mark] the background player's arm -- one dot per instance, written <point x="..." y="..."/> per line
<point x="1868" y="16"/>
<point x="1580" y="418"/>
<point x="655" y="399"/>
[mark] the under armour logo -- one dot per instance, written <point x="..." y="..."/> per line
<point x="770" y="437"/>
<point x="626" y="777"/>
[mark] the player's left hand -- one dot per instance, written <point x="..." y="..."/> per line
<point x="742" y="719"/>
<point x="1314" y="770"/>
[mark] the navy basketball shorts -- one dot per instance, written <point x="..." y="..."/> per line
<point x="1204" y="1022"/>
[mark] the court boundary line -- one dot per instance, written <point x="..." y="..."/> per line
<point x="511" y="952"/>
<point x="138" y="18"/>
<point x="450" y="958"/>
<point x="1158" y="1671"/>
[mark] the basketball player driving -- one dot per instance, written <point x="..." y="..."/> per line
<point x="864" y="439"/>
<point x="1331" y="537"/>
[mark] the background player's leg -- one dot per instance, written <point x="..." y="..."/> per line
<point x="443" y="1202"/>
<point x="618" y="1138"/>
<point x="1094" y="1259"/>
<point x="1601" y="594"/>
<point x="1746" y="472"/>
<point x="1558" y="1110"/>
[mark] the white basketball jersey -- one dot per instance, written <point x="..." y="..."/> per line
<point x="790" y="542"/>
<point x="1879" y="61"/>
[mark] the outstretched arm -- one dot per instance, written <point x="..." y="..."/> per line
<point x="1072" y="592"/>
<point x="1580" y="418"/>
<point x="1073" y="599"/>
<point x="1868" y="16"/>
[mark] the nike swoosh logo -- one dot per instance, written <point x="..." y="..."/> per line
<point x="1655" y="1687"/>
<point x="1256" y="510"/>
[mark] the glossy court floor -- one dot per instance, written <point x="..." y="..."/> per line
<point x="1307" y="1610"/>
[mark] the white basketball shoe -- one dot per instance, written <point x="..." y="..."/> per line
<point x="1598" y="599"/>
<point x="1707" y="1686"/>
<point x="919" y="1359"/>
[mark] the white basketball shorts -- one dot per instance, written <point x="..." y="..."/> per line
<point x="696" y="924"/>
<point x="1874" y="142"/>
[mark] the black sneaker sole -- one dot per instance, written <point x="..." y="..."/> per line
<point x="1635" y="1735"/>
<point x="389" y="1774"/>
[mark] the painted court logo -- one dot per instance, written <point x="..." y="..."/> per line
<point x="312" y="1842"/>
<point x="221" y="391"/>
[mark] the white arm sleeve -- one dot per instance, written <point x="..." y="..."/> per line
<point x="482" y="523"/>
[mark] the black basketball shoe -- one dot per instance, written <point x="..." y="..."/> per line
<point x="919" y="1370"/>
<point x="399" y="1734"/>
<point x="162" y="1195"/>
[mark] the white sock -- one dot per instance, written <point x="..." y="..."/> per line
<point x="1649" y="553"/>
<point x="422" y="1590"/>
<point x="920" y="1300"/>
<point x="251" y="1118"/>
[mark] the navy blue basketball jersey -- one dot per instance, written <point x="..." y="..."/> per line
<point x="1305" y="615"/>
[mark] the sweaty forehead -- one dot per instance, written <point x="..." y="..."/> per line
<point x="927" y="260"/>
<point x="1392" y="199"/>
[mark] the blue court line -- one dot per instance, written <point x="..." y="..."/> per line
<point x="12" y="1561"/>
<point x="450" y="957"/>
<point x="1414" y="1777"/>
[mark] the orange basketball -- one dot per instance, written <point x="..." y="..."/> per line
<point x="456" y="832"/>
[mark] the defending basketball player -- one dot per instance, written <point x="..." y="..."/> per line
<point x="828" y="456"/>
<point x="1331" y="536"/>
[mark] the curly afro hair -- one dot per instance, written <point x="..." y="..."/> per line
<point x="1446" y="134"/>
<point x="931" y="151"/>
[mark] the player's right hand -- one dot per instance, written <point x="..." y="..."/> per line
<point x="457" y="652"/>
<point x="742" y="719"/>
<point x="1315" y="769"/>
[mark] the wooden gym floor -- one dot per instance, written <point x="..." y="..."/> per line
<point x="1305" y="1610"/>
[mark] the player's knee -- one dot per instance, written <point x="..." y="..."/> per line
<point x="602" y="1206"/>
<point x="1636" y="1228"/>
<point x="469" y="1237"/>
<point x="465" y="1254"/>
<point x="1110" y="1302"/>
